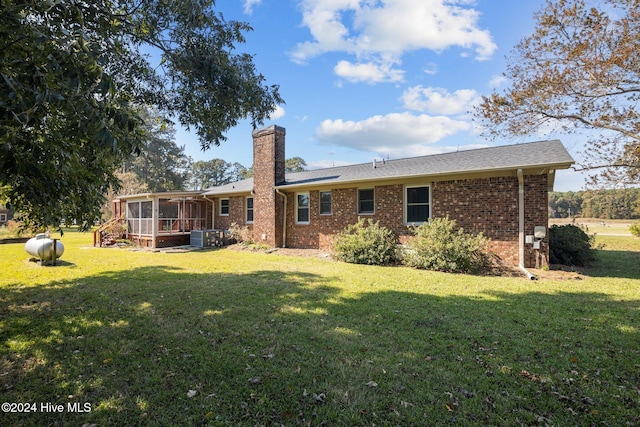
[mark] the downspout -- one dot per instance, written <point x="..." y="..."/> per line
<point x="521" y="226"/>
<point x="284" y="218"/>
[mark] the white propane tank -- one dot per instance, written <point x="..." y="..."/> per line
<point x="41" y="247"/>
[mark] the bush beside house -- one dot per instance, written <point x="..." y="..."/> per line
<point x="436" y="245"/>
<point x="570" y="245"/>
<point x="365" y="242"/>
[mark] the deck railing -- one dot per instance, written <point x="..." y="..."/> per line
<point x="181" y="225"/>
<point x="109" y="232"/>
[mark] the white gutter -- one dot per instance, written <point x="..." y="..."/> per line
<point x="284" y="218"/>
<point x="521" y="226"/>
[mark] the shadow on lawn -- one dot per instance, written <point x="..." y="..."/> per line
<point x="616" y="263"/>
<point x="275" y="347"/>
<point x="610" y="263"/>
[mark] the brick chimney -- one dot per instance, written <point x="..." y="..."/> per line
<point x="268" y="170"/>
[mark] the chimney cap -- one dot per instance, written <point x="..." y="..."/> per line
<point x="268" y="129"/>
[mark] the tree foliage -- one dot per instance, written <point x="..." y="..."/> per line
<point x="603" y="204"/>
<point x="293" y="164"/>
<point x="160" y="164"/>
<point x="212" y="173"/>
<point x="130" y="183"/>
<point x="73" y="76"/>
<point x="578" y="71"/>
<point x="565" y="204"/>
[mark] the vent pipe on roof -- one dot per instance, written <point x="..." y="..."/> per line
<point x="374" y="163"/>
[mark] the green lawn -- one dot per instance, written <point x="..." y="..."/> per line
<point x="226" y="337"/>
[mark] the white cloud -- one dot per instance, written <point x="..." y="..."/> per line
<point x="249" y="4"/>
<point x="497" y="81"/>
<point x="277" y="113"/>
<point x="395" y="135"/>
<point x="382" y="31"/>
<point x="440" y="101"/>
<point x="431" y="69"/>
<point x="323" y="17"/>
<point x="369" y="72"/>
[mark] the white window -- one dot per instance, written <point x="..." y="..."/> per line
<point x="3" y="217"/>
<point x="417" y="207"/>
<point x="224" y="207"/>
<point x="366" y="201"/>
<point x="302" y="208"/>
<point x="249" y="210"/>
<point x="325" y="203"/>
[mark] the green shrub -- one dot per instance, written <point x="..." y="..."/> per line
<point x="635" y="229"/>
<point x="438" y="245"/>
<point x="570" y="245"/>
<point x="365" y="243"/>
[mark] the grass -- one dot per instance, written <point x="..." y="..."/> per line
<point x="225" y="337"/>
<point x="598" y="226"/>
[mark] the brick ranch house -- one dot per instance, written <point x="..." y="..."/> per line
<point x="499" y="191"/>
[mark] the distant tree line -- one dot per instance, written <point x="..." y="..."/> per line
<point x="603" y="204"/>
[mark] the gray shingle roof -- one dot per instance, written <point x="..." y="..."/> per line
<point x="543" y="154"/>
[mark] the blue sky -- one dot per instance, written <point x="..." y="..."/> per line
<point x="372" y="79"/>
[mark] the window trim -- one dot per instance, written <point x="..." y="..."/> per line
<point x="308" y="207"/>
<point x="358" y="207"/>
<point x="405" y="203"/>
<point x="228" y="206"/>
<point x="330" y="203"/>
<point x="3" y="217"/>
<point x="246" y="210"/>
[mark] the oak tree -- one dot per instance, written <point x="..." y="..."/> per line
<point x="74" y="75"/>
<point x="579" y="71"/>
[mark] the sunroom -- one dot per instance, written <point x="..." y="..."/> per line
<point x="158" y="220"/>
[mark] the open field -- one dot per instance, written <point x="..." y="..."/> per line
<point x="598" y="226"/>
<point x="225" y="337"/>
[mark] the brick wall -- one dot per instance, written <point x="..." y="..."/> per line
<point x="268" y="168"/>
<point x="236" y="215"/>
<point x="487" y="205"/>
